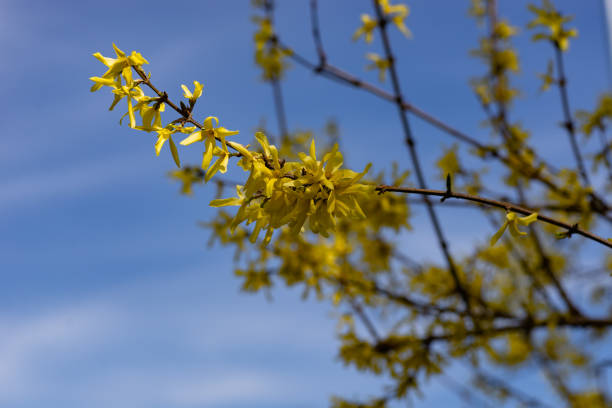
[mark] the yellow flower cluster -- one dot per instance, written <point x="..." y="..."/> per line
<point x="277" y="192"/>
<point x="512" y="222"/>
<point x="382" y="64"/>
<point x="396" y="13"/>
<point x="549" y="17"/>
<point x="281" y="193"/>
<point x="501" y="58"/>
<point x="597" y="119"/>
<point x="268" y="54"/>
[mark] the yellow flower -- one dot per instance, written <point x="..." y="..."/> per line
<point x="504" y="30"/>
<point x="291" y="193"/>
<point x="187" y="176"/>
<point x="512" y="222"/>
<point x="122" y="65"/>
<point x="165" y="134"/>
<point x="548" y="17"/>
<point x="368" y="24"/>
<point x="382" y="64"/>
<point x="209" y="134"/>
<point x="547" y="78"/>
<point x="268" y="54"/>
<point x="398" y="13"/>
<point x="197" y="92"/>
<point x="266" y="31"/>
<point x="130" y="93"/>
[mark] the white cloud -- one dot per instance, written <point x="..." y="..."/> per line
<point x="77" y="178"/>
<point x="93" y="353"/>
<point x="30" y="343"/>
<point x="230" y="387"/>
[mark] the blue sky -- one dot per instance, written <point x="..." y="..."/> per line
<point x="109" y="295"/>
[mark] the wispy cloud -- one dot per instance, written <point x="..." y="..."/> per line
<point x="231" y="388"/>
<point x="30" y="343"/>
<point x="83" y="353"/>
<point x="77" y="178"/>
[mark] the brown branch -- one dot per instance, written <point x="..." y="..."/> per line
<point x="316" y="32"/>
<point x="605" y="151"/>
<point x="358" y="310"/>
<point x="279" y="105"/>
<point x="410" y="143"/>
<point x="336" y="74"/>
<point x="571" y="229"/>
<point x="569" y="121"/>
<point x="525" y="325"/>
<point x="281" y="115"/>
<point x="513" y="392"/>
<point x="186" y="115"/>
<point x="499" y="121"/>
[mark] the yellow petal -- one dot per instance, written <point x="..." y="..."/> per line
<point x="242" y="150"/>
<point x="175" y="155"/>
<point x="226" y="201"/>
<point x="222" y="132"/>
<point x="131" y="112"/>
<point x="198" y="90"/>
<point x="533" y="217"/>
<point x="119" y="53"/>
<point x="313" y="152"/>
<point x="105" y="60"/>
<point x="263" y="141"/>
<point x="186" y="92"/>
<point x="159" y="144"/>
<point x="214" y="168"/>
<point x="208" y="154"/>
<point x="208" y="122"/>
<point x="498" y="234"/>
<point x="192" y="138"/>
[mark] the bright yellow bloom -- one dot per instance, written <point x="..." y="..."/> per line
<point x="382" y="64"/>
<point x="265" y="33"/>
<point x="503" y="30"/>
<point x="121" y="67"/>
<point x="268" y="54"/>
<point x="291" y="193"/>
<point x="547" y="78"/>
<point x="548" y="17"/>
<point x="208" y="134"/>
<point x="368" y="24"/>
<point x="187" y="176"/>
<point x="197" y="92"/>
<point x="398" y="13"/>
<point x="512" y="222"/>
<point x="118" y="66"/>
<point x="131" y="94"/>
<point x="165" y="134"/>
<point x="597" y="119"/>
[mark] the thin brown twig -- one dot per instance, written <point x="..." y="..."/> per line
<point x="186" y="116"/>
<point x="410" y="143"/>
<point x="281" y="115"/>
<point x="365" y="320"/>
<point x="499" y="121"/>
<point x="279" y="104"/>
<point x="569" y="121"/>
<point x="571" y="229"/>
<point x="336" y="74"/>
<point x="605" y="151"/>
<point x="525" y="325"/>
<point x="547" y="264"/>
<point x="513" y="392"/>
<point x="316" y="32"/>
